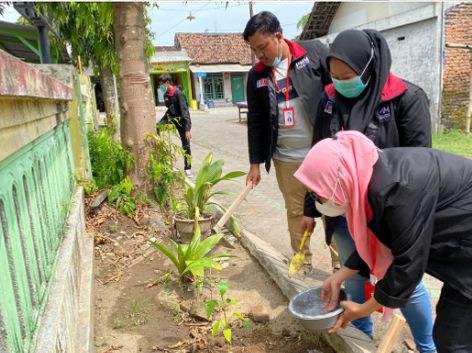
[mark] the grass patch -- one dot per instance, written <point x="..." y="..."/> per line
<point x="137" y="312"/>
<point x="453" y="141"/>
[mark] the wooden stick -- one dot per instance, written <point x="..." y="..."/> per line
<point x="217" y="228"/>
<point x="391" y="336"/>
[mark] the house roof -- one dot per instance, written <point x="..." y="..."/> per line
<point x="214" y="48"/>
<point x="169" y="54"/>
<point x="320" y="19"/>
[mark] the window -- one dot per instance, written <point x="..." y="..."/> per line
<point x="213" y="86"/>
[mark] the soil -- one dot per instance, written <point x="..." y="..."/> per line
<point x="141" y="306"/>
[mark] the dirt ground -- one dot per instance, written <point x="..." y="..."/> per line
<point x="140" y="306"/>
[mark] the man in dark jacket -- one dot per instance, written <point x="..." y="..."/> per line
<point x="284" y="89"/>
<point x="177" y="113"/>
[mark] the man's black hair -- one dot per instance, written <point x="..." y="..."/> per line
<point x="264" y="22"/>
<point x="166" y="78"/>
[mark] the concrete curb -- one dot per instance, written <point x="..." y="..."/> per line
<point x="67" y="322"/>
<point x="349" y="340"/>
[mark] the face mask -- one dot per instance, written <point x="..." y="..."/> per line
<point x="329" y="208"/>
<point x="277" y="59"/>
<point x="353" y="87"/>
<point x="163" y="88"/>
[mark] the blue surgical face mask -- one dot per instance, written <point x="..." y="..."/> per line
<point x="277" y="59"/>
<point x="353" y="87"/>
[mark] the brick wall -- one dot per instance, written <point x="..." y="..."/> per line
<point x="458" y="30"/>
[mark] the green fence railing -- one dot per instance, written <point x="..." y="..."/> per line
<point x="36" y="184"/>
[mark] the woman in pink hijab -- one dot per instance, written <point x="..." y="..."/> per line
<point x="409" y="211"/>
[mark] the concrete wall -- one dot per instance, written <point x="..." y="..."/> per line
<point x="67" y="323"/>
<point x="415" y="57"/>
<point x="35" y="111"/>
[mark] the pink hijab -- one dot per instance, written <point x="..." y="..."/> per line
<point x="351" y="157"/>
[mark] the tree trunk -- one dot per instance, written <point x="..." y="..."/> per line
<point x="110" y="98"/>
<point x="138" y="115"/>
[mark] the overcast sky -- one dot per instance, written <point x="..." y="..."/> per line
<point x="171" y="16"/>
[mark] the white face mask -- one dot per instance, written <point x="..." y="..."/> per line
<point x="329" y="208"/>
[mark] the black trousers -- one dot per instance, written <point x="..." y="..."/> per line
<point x="185" y="145"/>
<point x="452" y="331"/>
<point x="181" y="130"/>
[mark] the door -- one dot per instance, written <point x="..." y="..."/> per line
<point x="237" y="88"/>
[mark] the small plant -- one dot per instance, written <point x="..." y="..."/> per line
<point x="110" y="162"/>
<point x="191" y="259"/>
<point x="120" y="194"/>
<point x="113" y="228"/>
<point x="226" y="320"/>
<point x="209" y="174"/>
<point x="162" y="158"/>
<point x="117" y="323"/>
<point x="137" y="312"/>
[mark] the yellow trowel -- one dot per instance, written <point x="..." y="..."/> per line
<point x="298" y="258"/>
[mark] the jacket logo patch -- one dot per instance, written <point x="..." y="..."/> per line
<point x="261" y="83"/>
<point x="383" y="113"/>
<point x="302" y="63"/>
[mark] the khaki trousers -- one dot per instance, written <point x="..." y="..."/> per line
<point x="293" y="193"/>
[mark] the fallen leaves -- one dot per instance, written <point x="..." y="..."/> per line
<point x="111" y="348"/>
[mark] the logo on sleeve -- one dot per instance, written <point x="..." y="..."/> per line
<point x="261" y="83"/>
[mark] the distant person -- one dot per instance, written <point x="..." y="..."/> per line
<point x="177" y="113"/>
<point x="283" y="92"/>
<point x="409" y="212"/>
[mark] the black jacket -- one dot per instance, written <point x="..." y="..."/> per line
<point x="177" y="109"/>
<point x="422" y="210"/>
<point x="402" y="119"/>
<point x="309" y="75"/>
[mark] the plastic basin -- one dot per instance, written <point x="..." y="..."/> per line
<point x="308" y="308"/>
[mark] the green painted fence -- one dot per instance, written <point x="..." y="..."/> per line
<point x="36" y="185"/>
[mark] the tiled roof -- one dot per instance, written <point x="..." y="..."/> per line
<point x="163" y="55"/>
<point x="214" y="48"/>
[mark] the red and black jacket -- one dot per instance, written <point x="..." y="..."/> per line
<point x="309" y="75"/>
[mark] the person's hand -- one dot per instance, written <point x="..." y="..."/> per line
<point x="188" y="135"/>
<point x="330" y="293"/>
<point x="308" y="223"/>
<point x="352" y="311"/>
<point x="332" y="285"/>
<point x="254" y="175"/>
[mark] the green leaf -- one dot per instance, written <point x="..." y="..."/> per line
<point x="222" y="287"/>
<point x="215" y="327"/>
<point x="167" y="252"/>
<point x="227" y="334"/>
<point x="211" y="305"/>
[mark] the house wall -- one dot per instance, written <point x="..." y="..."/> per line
<point x="227" y="101"/>
<point x="354" y="14"/>
<point x="457" y="67"/>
